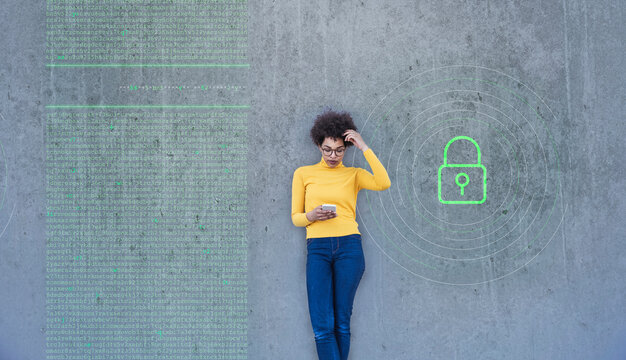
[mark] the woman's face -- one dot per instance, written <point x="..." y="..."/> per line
<point x="335" y="144"/>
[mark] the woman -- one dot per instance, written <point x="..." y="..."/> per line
<point x="335" y="261"/>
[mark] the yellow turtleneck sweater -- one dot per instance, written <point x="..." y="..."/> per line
<point x="318" y="184"/>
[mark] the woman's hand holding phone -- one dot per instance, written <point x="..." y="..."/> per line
<point x="319" y="214"/>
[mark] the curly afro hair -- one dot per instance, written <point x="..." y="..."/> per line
<point x="332" y="124"/>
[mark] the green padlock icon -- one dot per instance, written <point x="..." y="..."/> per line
<point x="456" y="176"/>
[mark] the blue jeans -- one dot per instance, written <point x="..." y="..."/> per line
<point x="334" y="267"/>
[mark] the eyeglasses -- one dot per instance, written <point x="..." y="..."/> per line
<point x="329" y="151"/>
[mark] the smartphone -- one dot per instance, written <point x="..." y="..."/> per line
<point x="329" y="207"/>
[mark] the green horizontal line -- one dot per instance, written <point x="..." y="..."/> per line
<point x="148" y="65"/>
<point x="148" y="106"/>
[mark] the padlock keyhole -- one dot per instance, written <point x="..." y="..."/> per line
<point x="462" y="186"/>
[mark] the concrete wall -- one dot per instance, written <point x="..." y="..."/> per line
<point x="564" y="299"/>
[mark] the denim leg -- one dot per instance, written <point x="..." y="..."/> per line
<point x="349" y="266"/>
<point x="319" y="281"/>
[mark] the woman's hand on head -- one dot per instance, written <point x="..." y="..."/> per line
<point x="355" y="138"/>
<point x="319" y="214"/>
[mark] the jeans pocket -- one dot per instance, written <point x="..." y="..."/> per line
<point x="309" y="241"/>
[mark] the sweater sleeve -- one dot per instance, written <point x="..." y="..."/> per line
<point x="298" y="216"/>
<point x="379" y="181"/>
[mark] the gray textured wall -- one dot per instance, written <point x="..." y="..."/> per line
<point x="567" y="303"/>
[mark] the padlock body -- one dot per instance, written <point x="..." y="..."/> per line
<point x="449" y="192"/>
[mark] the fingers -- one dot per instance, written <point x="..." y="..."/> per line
<point x="351" y="135"/>
<point x="324" y="214"/>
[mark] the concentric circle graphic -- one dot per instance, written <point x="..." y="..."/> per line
<point x="4" y="173"/>
<point x="462" y="241"/>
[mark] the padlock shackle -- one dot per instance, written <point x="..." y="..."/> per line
<point x="445" y="150"/>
